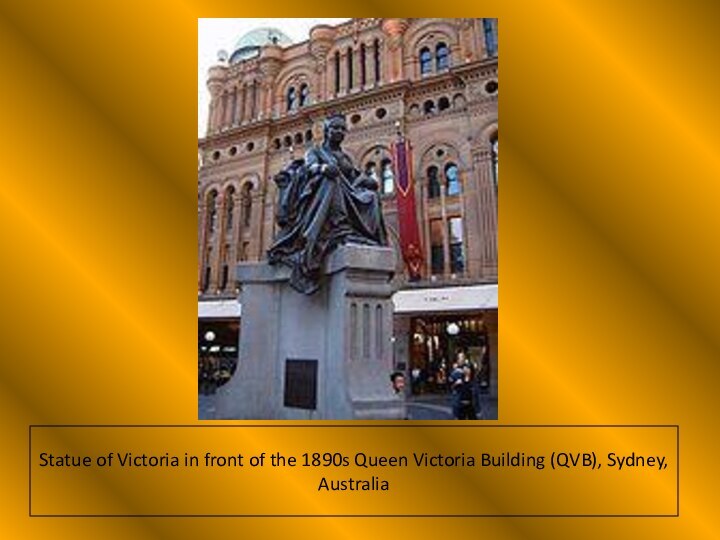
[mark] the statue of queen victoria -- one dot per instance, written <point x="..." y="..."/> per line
<point x="323" y="202"/>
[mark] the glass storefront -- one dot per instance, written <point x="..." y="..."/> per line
<point x="439" y="341"/>
<point x="217" y="352"/>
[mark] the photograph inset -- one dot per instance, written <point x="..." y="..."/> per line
<point x="347" y="221"/>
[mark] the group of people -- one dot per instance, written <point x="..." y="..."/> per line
<point x="213" y="372"/>
<point x="464" y="389"/>
<point x="464" y="385"/>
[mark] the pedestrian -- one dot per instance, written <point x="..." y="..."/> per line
<point x="455" y="381"/>
<point x="397" y="379"/>
<point x="467" y="395"/>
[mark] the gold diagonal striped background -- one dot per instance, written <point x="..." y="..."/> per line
<point x="609" y="226"/>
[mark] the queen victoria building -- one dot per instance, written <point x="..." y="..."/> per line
<point x="418" y="101"/>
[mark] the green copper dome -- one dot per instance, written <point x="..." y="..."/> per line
<point x="248" y="46"/>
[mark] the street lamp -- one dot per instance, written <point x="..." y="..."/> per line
<point x="452" y="330"/>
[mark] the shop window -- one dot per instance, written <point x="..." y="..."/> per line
<point x="217" y="353"/>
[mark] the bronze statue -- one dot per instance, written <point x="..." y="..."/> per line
<point x="323" y="202"/>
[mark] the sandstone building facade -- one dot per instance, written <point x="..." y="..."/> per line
<point x="431" y="81"/>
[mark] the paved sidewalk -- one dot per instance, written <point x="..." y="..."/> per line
<point x="439" y="407"/>
<point x="423" y="407"/>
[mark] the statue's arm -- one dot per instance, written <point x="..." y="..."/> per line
<point x="314" y="162"/>
<point x="319" y="165"/>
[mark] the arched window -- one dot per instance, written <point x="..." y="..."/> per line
<point x="388" y="177"/>
<point x="455" y="241"/>
<point x="224" y="277"/>
<point x="229" y="208"/>
<point x="490" y="39"/>
<point x="425" y="61"/>
<point x="349" y="68"/>
<point x="429" y="107"/>
<point x="291" y="99"/>
<point x="363" y="69"/>
<point x="233" y="114"/>
<point x="442" y="57"/>
<point x="304" y="95"/>
<point x="376" y="59"/>
<point x="207" y="271"/>
<point x="452" y="180"/>
<point x="433" y="183"/>
<point x="246" y="204"/>
<point x="437" y="247"/>
<point x="211" y="212"/>
<point x="443" y="103"/>
<point x="206" y="279"/>
<point x="337" y="72"/>
<point x="224" y="108"/>
<point x="371" y="171"/>
<point x="494" y="157"/>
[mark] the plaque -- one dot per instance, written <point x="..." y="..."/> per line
<point x="301" y="384"/>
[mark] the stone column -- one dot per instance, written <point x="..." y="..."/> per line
<point x="248" y="103"/>
<point x="487" y="211"/>
<point x="216" y="78"/>
<point x="394" y="30"/>
<point x="343" y="73"/>
<point x="202" y="220"/>
<point x="466" y="31"/>
<point x="471" y="224"/>
<point x="256" y="226"/>
<point x="216" y="239"/>
<point x="321" y="39"/>
<point x="227" y="110"/>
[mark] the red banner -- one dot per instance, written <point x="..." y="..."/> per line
<point x="407" y="215"/>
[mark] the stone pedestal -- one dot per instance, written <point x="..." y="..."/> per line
<point x="342" y="334"/>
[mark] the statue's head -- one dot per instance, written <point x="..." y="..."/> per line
<point x="335" y="127"/>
